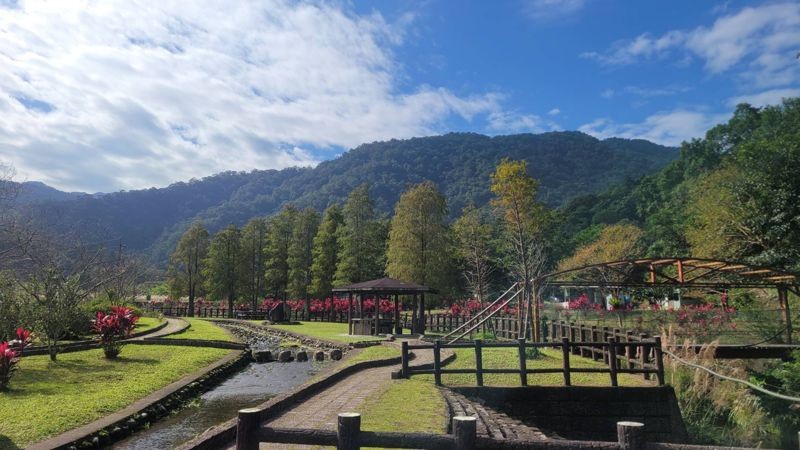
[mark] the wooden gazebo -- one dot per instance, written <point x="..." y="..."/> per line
<point x="365" y="323"/>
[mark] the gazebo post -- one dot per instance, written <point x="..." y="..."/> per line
<point x="414" y="311"/>
<point x="398" y="329"/>
<point x="349" y="313"/>
<point x="422" y="313"/>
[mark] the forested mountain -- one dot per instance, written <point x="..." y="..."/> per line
<point x="731" y="195"/>
<point x="567" y="164"/>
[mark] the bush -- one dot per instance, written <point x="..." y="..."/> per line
<point x="9" y="356"/>
<point x="113" y="327"/>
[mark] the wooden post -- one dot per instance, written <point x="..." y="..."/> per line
<point x="478" y="362"/>
<point x="523" y="363"/>
<point x="565" y="355"/>
<point x="573" y="337"/>
<point x="437" y="362"/>
<point x="605" y="349"/>
<point x="398" y="327"/>
<point x="612" y="359"/>
<point x="630" y="351"/>
<point x="404" y="359"/>
<point x="783" y="298"/>
<point x="350" y="312"/>
<point x="248" y="423"/>
<point x="630" y="435"/>
<point x="644" y="354"/>
<point x="422" y="313"/>
<point x="659" y="361"/>
<point x="464" y="432"/>
<point x="348" y="430"/>
<point x="414" y="313"/>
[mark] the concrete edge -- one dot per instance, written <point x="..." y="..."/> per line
<point x="192" y="343"/>
<point x="86" y="344"/>
<point x="122" y="417"/>
<point x="225" y="433"/>
<point x="186" y="326"/>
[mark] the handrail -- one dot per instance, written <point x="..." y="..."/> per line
<point x="483" y="311"/>
<point x="484" y="319"/>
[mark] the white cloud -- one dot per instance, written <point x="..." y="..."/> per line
<point x="513" y="122"/>
<point x="770" y="97"/>
<point x="128" y="94"/>
<point x="608" y="93"/>
<point x="759" y="42"/>
<point x="554" y="112"/>
<point x="549" y="10"/>
<point x="667" y="128"/>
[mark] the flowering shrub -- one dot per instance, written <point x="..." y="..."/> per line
<point x="9" y="355"/>
<point x="113" y="327"/>
<point x="583" y="303"/>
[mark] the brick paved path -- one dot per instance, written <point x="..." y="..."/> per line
<point x="348" y="395"/>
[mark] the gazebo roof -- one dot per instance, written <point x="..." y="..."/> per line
<point x="385" y="285"/>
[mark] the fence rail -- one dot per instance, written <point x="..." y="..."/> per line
<point x="349" y="436"/>
<point x="249" y="314"/>
<point x="618" y="356"/>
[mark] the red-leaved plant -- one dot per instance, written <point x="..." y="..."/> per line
<point x="113" y="327"/>
<point x="9" y="356"/>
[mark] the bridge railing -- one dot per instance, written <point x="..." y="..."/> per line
<point x="617" y="361"/>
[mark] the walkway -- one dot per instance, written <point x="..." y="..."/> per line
<point x="174" y="325"/>
<point x="348" y="395"/>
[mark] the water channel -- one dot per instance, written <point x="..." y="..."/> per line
<point x="252" y="386"/>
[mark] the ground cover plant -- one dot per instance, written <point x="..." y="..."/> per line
<point x="203" y="330"/>
<point x="113" y="327"/>
<point x="325" y="330"/>
<point x="48" y="398"/>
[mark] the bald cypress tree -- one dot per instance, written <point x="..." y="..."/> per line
<point x="223" y="266"/>
<point x="300" y="253"/>
<point x="326" y="252"/>
<point x="363" y="240"/>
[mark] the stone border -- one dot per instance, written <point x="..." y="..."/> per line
<point x="224" y="434"/>
<point x="186" y="327"/>
<point x="305" y="339"/>
<point x="141" y="413"/>
<point x="87" y="344"/>
<point x="192" y="343"/>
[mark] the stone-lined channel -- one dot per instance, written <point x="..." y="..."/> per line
<point x="252" y="386"/>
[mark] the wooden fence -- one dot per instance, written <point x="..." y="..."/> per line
<point x="248" y="314"/>
<point x="617" y="357"/>
<point x="503" y="326"/>
<point x="349" y="436"/>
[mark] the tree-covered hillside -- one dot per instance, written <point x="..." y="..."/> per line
<point x="734" y="194"/>
<point x="567" y="164"/>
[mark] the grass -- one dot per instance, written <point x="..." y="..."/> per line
<point x="507" y="358"/>
<point x="393" y="410"/>
<point x="372" y="353"/>
<point x="147" y="323"/>
<point x="47" y="398"/>
<point x="329" y="331"/>
<point x="204" y="330"/>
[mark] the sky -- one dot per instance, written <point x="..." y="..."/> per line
<point x="99" y="96"/>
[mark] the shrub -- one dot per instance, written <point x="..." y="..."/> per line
<point x="9" y="356"/>
<point x="112" y="328"/>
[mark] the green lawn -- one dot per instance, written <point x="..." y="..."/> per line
<point x="374" y="352"/>
<point x="146" y="323"/>
<point x="507" y="358"/>
<point x="203" y="329"/>
<point x="325" y="330"/>
<point x="47" y="398"/>
<point x="408" y="405"/>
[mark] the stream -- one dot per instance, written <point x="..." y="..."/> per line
<point x="252" y="386"/>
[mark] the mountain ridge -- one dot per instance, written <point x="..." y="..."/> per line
<point x="567" y="164"/>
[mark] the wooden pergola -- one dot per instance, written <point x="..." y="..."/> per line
<point x="360" y="322"/>
<point x="678" y="272"/>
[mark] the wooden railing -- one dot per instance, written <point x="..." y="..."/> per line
<point x="503" y="326"/>
<point x="616" y="360"/>
<point x="248" y="314"/>
<point x="349" y="436"/>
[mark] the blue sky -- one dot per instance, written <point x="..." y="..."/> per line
<point x="101" y="96"/>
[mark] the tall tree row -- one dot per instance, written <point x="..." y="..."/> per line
<point x="326" y="252"/>
<point x="254" y="264"/>
<point x="362" y="240"/>
<point x="185" y="272"/>
<point x="279" y="238"/>
<point x="300" y="254"/>
<point x="223" y="266"/>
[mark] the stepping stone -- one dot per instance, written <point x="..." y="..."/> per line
<point x="319" y="356"/>
<point x="261" y="356"/>
<point x="336" y="354"/>
<point x="285" y="356"/>
<point x="301" y="356"/>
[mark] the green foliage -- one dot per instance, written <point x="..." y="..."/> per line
<point x="83" y="386"/>
<point x="363" y="240"/>
<point x="222" y="267"/>
<point x="326" y="252"/>
<point x="281" y="228"/>
<point x="473" y="247"/>
<point x="252" y="247"/>
<point x="185" y="274"/>
<point x="419" y="248"/>
<point x="300" y="253"/>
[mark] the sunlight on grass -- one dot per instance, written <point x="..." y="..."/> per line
<point x="204" y="330"/>
<point x="48" y="398"/>
<point x="147" y="323"/>
<point x="373" y="353"/>
<point x="325" y="330"/>
<point x="408" y="405"/>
